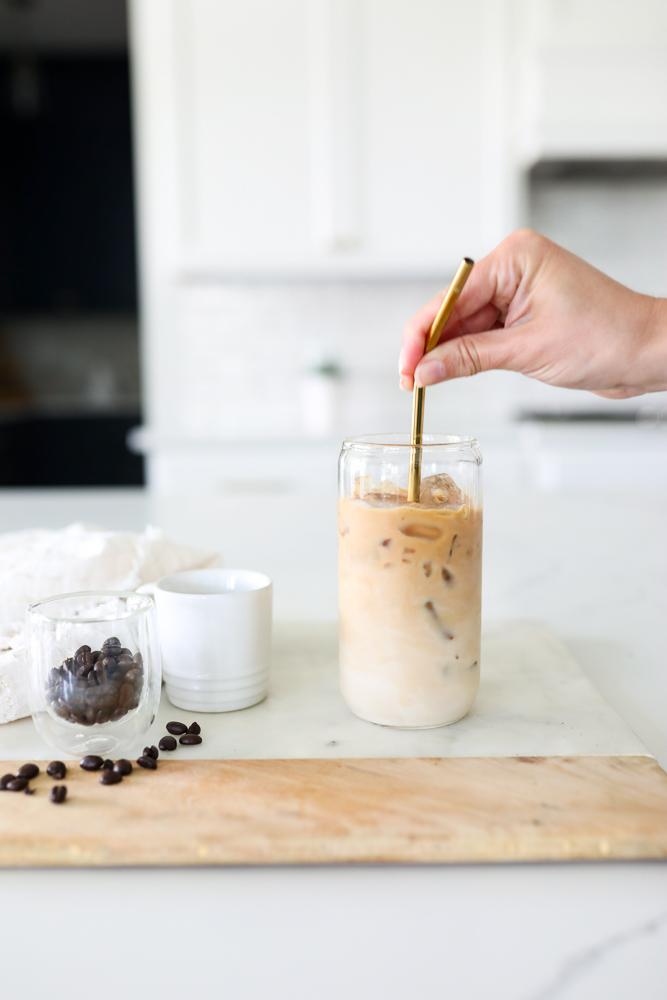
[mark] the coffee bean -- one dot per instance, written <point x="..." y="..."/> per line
<point x="195" y="728"/>
<point x="91" y="763"/>
<point x="58" y="793"/>
<point x="28" y="771"/>
<point x="190" y="739"/>
<point x="149" y="763"/>
<point x="4" y="781"/>
<point x="123" y="766"/>
<point x="91" y="688"/>
<point x="167" y="743"/>
<point x="151" y="752"/>
<point x="177" y="728"/>
<point x="110" y="777"/>
<point x="56" y="769"/>
<point x="107" y="765"/>
<point x="30" y="791"/>
<point x="17" y="785"/>
<point x="125" y="695"/>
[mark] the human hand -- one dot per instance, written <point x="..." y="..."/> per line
<point x="532" y="307"/>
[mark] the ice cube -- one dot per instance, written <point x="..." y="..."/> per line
<point x="362" y="484"/>
<point x="387" y="494"/>
<point x="441" y="491"/>
<point x="386" y="486"/>
<point x="377" y="499"/>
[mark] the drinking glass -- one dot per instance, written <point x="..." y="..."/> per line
<point x="95" y="674"/>
<point x="410" y="579"/>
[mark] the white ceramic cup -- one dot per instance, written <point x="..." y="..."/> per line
<point x="215" y="637"/>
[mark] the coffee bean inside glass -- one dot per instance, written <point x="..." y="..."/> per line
<point x="410" y="580"/>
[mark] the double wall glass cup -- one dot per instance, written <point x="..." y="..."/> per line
<point x="95" y="675"/>
<point x="410" y="580"/>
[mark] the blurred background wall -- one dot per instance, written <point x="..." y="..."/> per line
<point x="308" y="173"/>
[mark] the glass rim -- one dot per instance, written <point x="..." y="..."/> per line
<point x="146" y="599"/>
<point x="389" y="440"/>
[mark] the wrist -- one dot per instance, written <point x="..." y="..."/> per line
<point x="654" y="366"/>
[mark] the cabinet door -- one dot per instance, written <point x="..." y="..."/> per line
<point x="326" y="136"/>
<point x="595" y="78"/>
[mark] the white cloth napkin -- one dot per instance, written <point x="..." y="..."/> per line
<point x="38" y="563"/>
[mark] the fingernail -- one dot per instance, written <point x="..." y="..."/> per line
<point x="401" y="359"/>
<point x="429" y="373"/>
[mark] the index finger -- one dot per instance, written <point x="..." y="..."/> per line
<point x="415" y="335"/>
<point x="488" y="292"/>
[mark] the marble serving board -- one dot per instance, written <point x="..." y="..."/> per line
<point x="534" y="700"/>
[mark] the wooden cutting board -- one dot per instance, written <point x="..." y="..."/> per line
<point x="451" y="809"/>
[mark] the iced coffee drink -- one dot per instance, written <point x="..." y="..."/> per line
<point x="410" y="582"/>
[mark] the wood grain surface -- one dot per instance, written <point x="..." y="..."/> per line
<point x="219" y="812"/>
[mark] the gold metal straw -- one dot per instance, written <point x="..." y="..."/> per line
<point x="418" y="394"/>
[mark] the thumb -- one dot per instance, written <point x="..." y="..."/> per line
<point x="465" y="355"/>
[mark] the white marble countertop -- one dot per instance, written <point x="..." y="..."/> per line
<point x="594" y="567"/>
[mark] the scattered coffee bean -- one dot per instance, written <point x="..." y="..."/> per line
<point x="58" y="793"/>
<point x="107" y="765"/>
<point x="17" y="785"/>
<point x="195" y="728"/>
<point x="56" y="769"/>
<point x="4" y="781"/>
<point x="123" y="766"/>
<point x="151" y="752"/>
<point x="167" y="743"/>
<point x="190" y="739"/>
<point x="30" y="791"/>
<point x="28" y="771"/>
<point x="149" y="763"/>
<point x="110" y="777"/>
<point x="91" y="763"/>
<point x="176" y="728"/>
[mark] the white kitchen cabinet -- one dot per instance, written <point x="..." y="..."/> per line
<point x="315" y="136"/>
<point x="593" y="79"/>
<point x="282" y="141"/>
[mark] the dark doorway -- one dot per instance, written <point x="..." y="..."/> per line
<point x="69" y="357"/>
